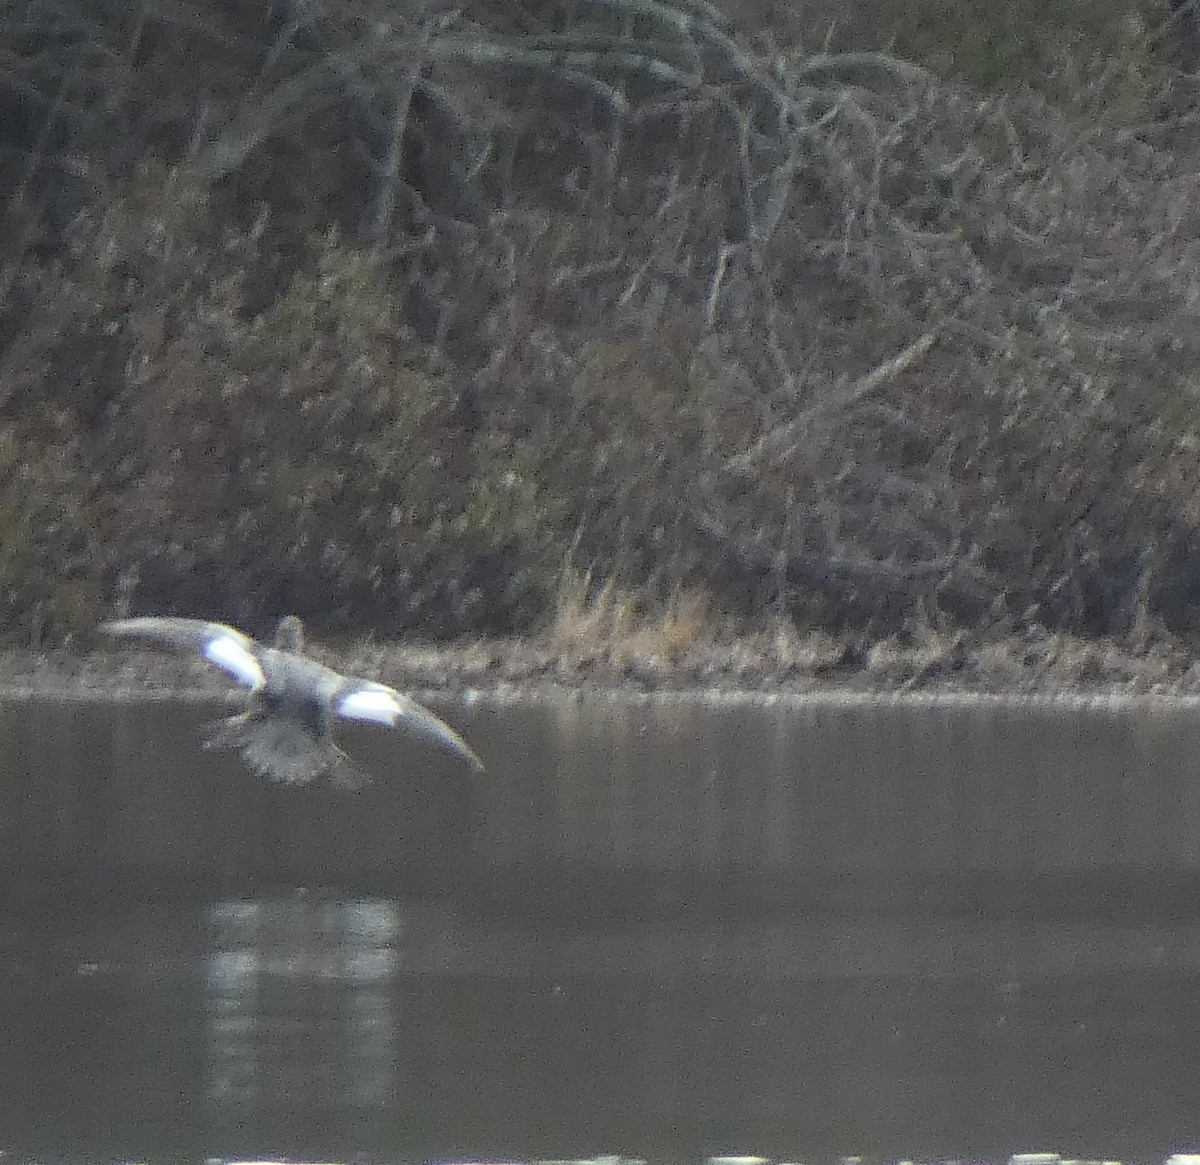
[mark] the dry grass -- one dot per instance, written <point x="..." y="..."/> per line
<point x="609" y="624"/>
<point x="803" y="652"/>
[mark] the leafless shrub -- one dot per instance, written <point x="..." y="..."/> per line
<point x="815" y="332"/>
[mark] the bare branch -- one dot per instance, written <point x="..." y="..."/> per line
<point x="779" y="440"/>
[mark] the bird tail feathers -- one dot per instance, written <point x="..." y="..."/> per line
<point x="284" y="752"/>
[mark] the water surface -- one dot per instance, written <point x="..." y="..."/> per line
<point x="659" y="929"/>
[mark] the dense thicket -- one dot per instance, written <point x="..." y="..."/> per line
<point x="385" y="312"/>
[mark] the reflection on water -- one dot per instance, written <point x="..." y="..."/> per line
<point x="298" y="1000"/>
<point x="909" y="929"/>
<point x="306" y="1024"/>
<point x="780" y="789"/>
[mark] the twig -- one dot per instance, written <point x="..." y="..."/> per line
<point x="778" y="439"/>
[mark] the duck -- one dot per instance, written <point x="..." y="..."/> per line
<point x="285" y="733"/>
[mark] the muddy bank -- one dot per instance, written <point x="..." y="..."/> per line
<point x="782" y="662"/>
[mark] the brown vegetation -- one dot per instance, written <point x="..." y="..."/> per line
<point x="390" y="314"/>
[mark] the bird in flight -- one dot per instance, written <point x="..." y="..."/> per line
<point x="286" y="731"/>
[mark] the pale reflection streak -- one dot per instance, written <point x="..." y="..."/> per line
<point x="299" y="1005"/>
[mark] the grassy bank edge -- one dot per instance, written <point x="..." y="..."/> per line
<point x="780" y="661"/>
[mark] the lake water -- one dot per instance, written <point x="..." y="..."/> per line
<point x="665" y="928"/>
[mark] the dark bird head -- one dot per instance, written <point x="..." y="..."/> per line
<point x="289" y="635"/>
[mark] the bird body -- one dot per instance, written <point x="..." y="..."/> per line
<point x="286" y="731"/>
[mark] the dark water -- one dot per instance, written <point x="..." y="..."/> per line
<point x="307" y="1025"/>
<point x="214" y="1010"/>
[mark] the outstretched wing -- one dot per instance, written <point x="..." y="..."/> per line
<point x="224" y="647"/>
<point x="374" y="703"/>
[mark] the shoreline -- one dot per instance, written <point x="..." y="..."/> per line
<point x="791" y="664"/>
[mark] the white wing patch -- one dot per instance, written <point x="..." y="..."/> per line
<point x="371" y="702"/>
<point x="232" y="657"/>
